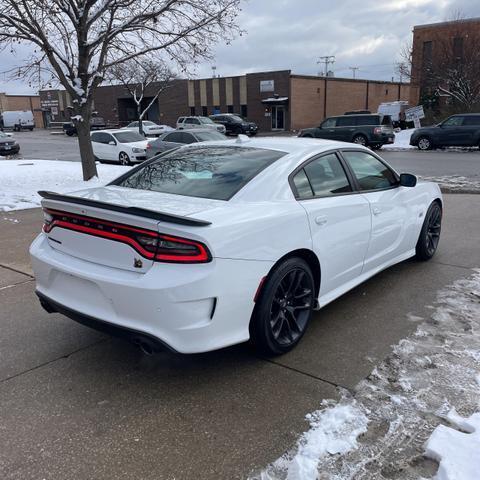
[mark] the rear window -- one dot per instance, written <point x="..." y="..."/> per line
<point x="210" y="136"/>
<point x="207" y="172"/>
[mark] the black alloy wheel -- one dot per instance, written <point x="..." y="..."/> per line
<point x="430" y="234"/>
<point x="284" y="308"/>
<point x="360" y="140"/>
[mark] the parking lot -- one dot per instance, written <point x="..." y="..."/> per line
<point x="74" y="402"/>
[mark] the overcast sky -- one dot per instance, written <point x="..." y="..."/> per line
<point x="293" y="34"/>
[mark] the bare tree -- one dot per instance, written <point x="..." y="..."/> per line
<point x="141" y="78"/>
<point x="404" y="66"/>
<point x="78" y="41"/>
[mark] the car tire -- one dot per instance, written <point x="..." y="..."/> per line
<point x="376" y="147"/>
<point x="424" y="143"/>
<point x="238" y="130"/>
<point x="284" y="307"/>
<point x="360" y="140"/>
<point x="429" y="237"/>
<point x="124" y="159"/>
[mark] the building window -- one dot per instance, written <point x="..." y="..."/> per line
<point x="427" y="53"/>
<point x="230" y="108"/>
<point x="192" y="111"/>
<point x="244" y="111"/>
<point x="216" y="110"/>
<point x="458" y="48"/>
<point x="205" y="111"/>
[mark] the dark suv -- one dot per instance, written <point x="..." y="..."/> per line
<point x="96" y="123"/>
<point x="235" y="124"/>
<point x="456" y="131"/>
<point x="369" y="130"/>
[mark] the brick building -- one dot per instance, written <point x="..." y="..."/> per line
<point x="22" y="102"/>
<point x="433" y="42"/>
<point x="276" y="100"/>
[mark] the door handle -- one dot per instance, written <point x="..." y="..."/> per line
<point x="376" y="211"/>
<point x="321" y="220"/>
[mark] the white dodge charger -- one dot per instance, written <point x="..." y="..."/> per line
<point x="214" y="244"/>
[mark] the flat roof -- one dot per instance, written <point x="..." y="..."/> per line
<point x="449" y="22"/>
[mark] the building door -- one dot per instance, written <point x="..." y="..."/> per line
<point x="278" y="117"/>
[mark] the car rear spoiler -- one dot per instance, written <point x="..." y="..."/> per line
<point x="139" y="212"/>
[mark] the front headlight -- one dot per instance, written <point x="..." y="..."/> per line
<point x="138" y="150"/>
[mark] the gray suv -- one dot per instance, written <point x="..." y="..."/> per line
<point x="371" y="130"/>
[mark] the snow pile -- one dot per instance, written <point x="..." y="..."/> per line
<point x="402" y="141"/>
<point x="456" y="183"/>
<point x="404" y="400"/>
<point x="458" y="453"/>
<point x="21" y="180"/>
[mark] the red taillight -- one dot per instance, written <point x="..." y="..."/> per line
<point x="377" y="130"/>
<point x="148" y="146"/>
<point x="150" y="244"/>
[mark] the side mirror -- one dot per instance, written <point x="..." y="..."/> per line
<point x="408" y="180"/>
<point x="112" y="142"/>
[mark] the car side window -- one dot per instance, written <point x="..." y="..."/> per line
<point x="188" y="138"/>
<point x="329" y="123"/>
<point x="453" y="122"/>
<point x="370" y="172"/>
<point x="471" y="120"/>
<point x="108" y="138"/>
<point x="175" y="137"/>
<point x="368" y="120"/>
<point x="96" y="137"/>
<point x="345" y="121"/>
<point x="189" y="121"/>
<point x="323" y="176"/>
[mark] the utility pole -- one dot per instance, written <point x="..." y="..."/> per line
<point x="354" y="70"/>
<point x="214" y="70"/>
<point x="327" y="60"/>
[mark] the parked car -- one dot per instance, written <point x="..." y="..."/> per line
<point x="17" y="120"/>
<point x="456" y="131"/>
<point x="96" y="123"/>
<point x="234" y="124"/>
<point x="8" y="145"/>
<point x="149" y="128"/>
<point x="210" y="245"/>
<point x="178" y="138"/>
<point x="199" y="122"/>
<point x="368" y="130"/>
<point x="123" y="146"/>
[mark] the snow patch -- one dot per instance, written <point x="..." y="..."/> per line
<point x="402" y="141"/>
<point x="22" y="180"/>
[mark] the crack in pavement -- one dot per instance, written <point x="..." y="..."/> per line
<point x="6" y="267"/>
<point x="16" y="284"/>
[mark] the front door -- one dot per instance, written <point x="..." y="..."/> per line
<point x="278" y="117"/>
<point x="453" y="133"/>
<point x="340" y="221"/>
<point x="393" y="217"/>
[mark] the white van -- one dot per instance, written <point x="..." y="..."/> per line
<point x="396" y="110"/>
<point x="17" y="120"/>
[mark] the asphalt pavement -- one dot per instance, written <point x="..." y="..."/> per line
<point x="75" y="404"/>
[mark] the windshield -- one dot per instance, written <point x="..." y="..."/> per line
<point x="206" y="120"/>
<point x="148" y="123"/>
<point x="128" y="137"/>
<point x="236" y="118"/>
<point x="210" y="136"/>
<point x="4" y="135"/>
<point x="207" y="172"/>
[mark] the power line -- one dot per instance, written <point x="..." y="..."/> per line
<point x="328" y="59"/>
<point x="354" y="70"/>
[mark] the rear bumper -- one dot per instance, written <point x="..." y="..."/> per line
<point x="189" y="308"/>
<point x="383" y="139"/>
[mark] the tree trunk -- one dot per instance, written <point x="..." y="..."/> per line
<point x="86" y="151"/>
<point x="140" y="119"/>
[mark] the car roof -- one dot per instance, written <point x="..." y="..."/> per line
<point x="111" y="130"/>
<point x="192" y="130"/>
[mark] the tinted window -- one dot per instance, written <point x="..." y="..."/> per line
<point x="326" y="176"/>
<point x="180" y="119"/>
<point x="176" y="137"/>
<point x="367" y="120"/>
<point x="128" y="137"/>
<point x="302" y="185"/>
<point x="472" y="120"/>
<point x="453" y="122"/>
<point x="191" y="121"/>
<point x="188" y="138"/>
<point x="209" y="136"/>
<point x="207" y="172"/>
<point x="205" y="120"/>
<point x="329" y="122"/>
<point x="345" y="121"/>
<point x="370" y="172"/>
<point x="101" y="137"/>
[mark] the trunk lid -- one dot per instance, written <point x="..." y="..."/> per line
<point x="83" y="219"/>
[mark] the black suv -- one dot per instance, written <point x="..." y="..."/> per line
<point x="96" y="123"/>
<point x="235" y="124"/>
<point x="456" y="131"/>
<point x="369" y="130"/>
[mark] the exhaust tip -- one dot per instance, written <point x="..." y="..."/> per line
<point x="146" y="346"/>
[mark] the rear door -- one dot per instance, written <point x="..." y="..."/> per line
<point x="394" y="219"/>
<point x="340" y="219"/>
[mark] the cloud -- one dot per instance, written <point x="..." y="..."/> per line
<point x="293" y="34"/>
